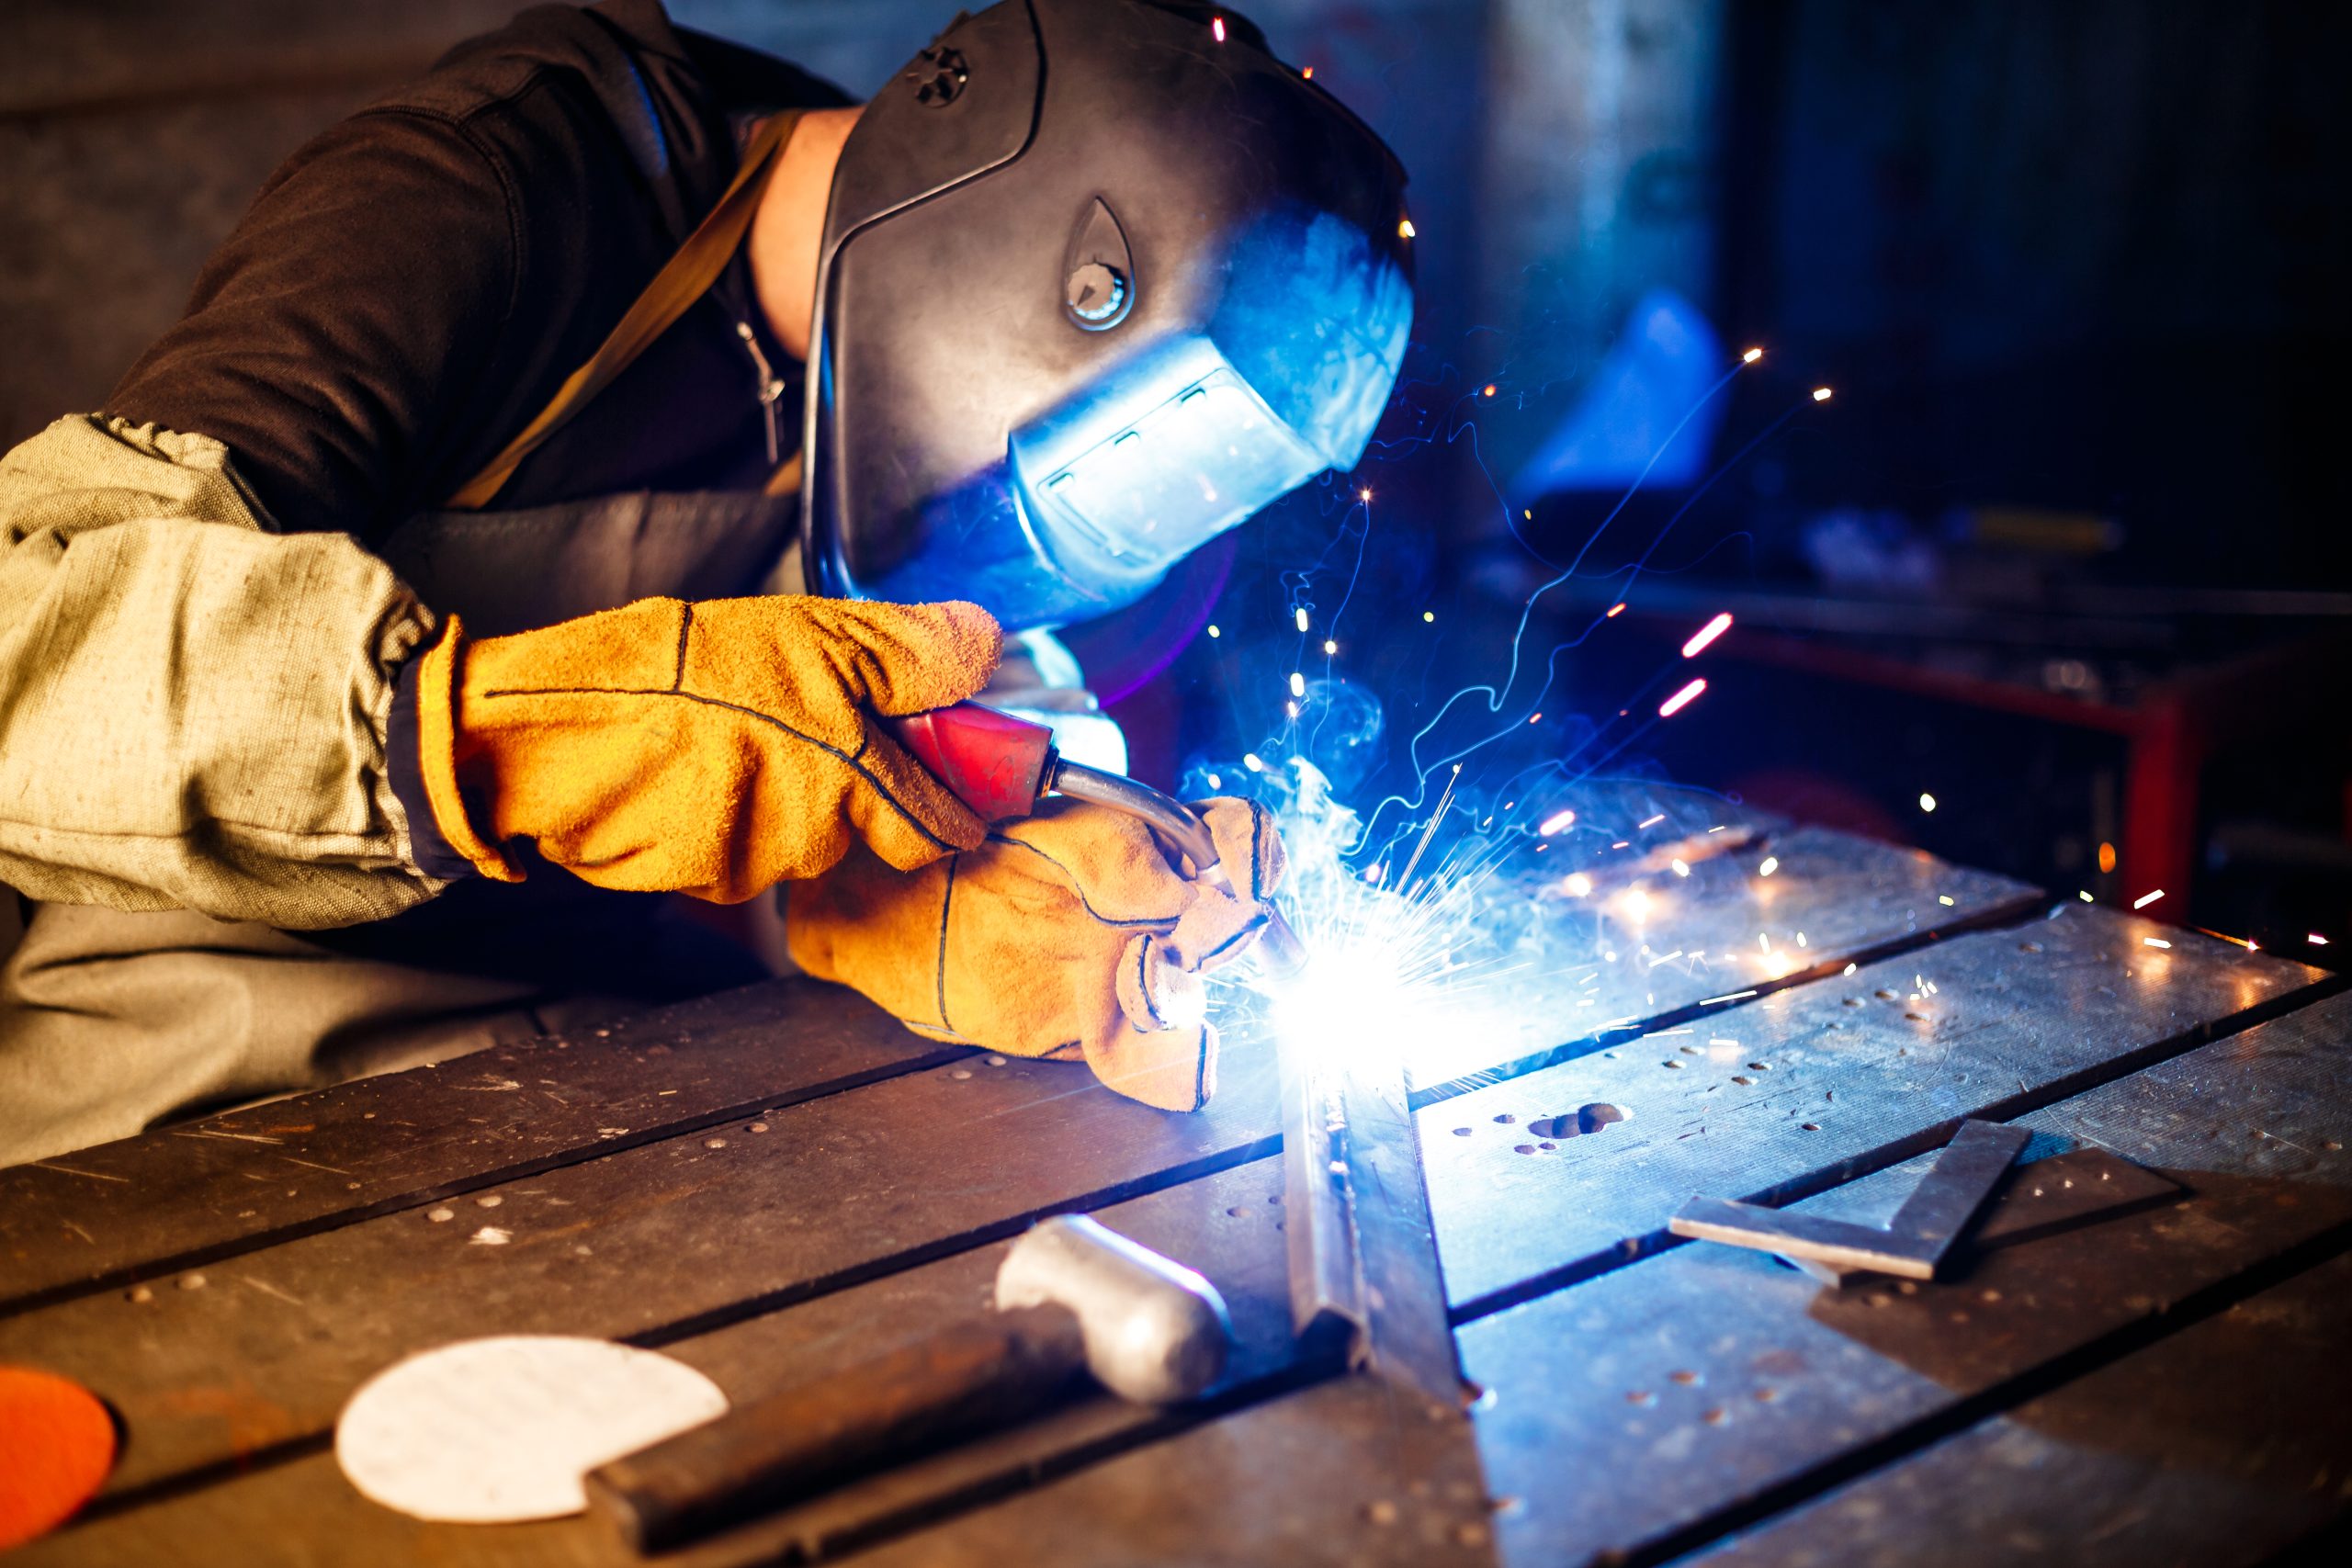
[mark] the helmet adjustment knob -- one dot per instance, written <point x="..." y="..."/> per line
<point x="1098" y="286"/>
<point x="1095" y="293"/>
<point x="940" y="75"/>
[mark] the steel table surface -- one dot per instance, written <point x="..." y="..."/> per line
<point x="772" y="1181"/>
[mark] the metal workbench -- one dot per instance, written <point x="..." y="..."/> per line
<point x="773" y="1181"/>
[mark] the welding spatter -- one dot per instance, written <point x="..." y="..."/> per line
<point x="1001" y="767"/>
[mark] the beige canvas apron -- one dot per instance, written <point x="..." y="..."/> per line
<point x="111" y="1020"/>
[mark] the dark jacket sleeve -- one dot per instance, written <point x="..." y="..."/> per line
<point x="379" y="270"/>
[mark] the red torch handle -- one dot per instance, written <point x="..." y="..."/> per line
<point x="997" y="764"/>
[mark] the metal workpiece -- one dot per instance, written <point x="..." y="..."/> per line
<point x="1155" y="1331"/>
<point x="1912" y="1246"/>
<point x="1363" y="1259"/>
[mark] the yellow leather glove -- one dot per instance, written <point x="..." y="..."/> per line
<point x="714" y="747"/>
<point x="1072" y="934"/>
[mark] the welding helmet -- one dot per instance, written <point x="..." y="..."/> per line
<point x="1099" y="279"/>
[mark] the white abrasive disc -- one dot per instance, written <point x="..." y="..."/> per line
<point x="494" y="1431"/>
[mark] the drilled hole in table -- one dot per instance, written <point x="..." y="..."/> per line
<point x="1585" y="1119"/>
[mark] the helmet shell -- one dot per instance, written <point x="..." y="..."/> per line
<point x="1096" y="285"/>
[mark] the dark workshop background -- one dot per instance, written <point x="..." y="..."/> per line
<point x="2065" y="552"/>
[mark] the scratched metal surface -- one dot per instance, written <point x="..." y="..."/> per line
<point x="252" y="1177"/>
<point x="1642" y="947"/>
<point x="651" y="1243"/>
<point x="1339" y="1473"/>
<point x="1797" y="1090"/>
<point x="876" y="1205"/>
<point x="1229" y="1222"/>
<point x="133" y="1209"/>
<point x="1724" y="1382"/>
<point x="2220" y="1445"/>
<point x="678" y="1233"/>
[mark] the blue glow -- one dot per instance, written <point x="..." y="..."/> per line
<point x="1623" y="433"/>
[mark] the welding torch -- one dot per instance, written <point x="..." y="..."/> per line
<point x="1001" y="767"/>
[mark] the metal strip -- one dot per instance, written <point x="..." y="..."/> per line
<point x="1363" y="1257"/>
<point x="1912" y="1246"/>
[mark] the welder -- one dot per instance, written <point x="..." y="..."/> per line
<point x="560" y="472"/>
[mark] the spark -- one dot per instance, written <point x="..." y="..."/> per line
<point x="1329" y="646"/>
<point x="1365" y="494"/>
<point x="1217" y="29"/>
<point x="2154" y="942"/>
<point x="1404" y="228"/>
<point x="1429" y="615"/>
<point x="1706" y="633"/>
<point x="1801" y="941"/>
<point x="1301" y="617"/>
<point x="1215" y="630"/>
<point x="1682" y="699"/>
<point x="1558" y="822"/>
<point x="1764" y="942"/>
<point x="1850" y="969"/>
<point x="1945" y="899"/>
<point x="1290" y="708"/>
<point x="1297" y="684"/>
<point x="1217" y="781"/>
<point x="1729" y="996"/>
<point x="1751" y="356"/>
<point x="1489" y="390"/>
<point x="1308" y="74"/>
<point x="2316" y="940"/>
<point x="1535" y="718"/>
<point x="1771" y="864"/>
<point x="2144" y="899"/>
<point x="1579" y="885"/>
<point x="2246" y="943"/>
<point x="1821" y="394"/>
<point x="1430" y="832"/>
<point x="1927" y="801"/>
<point x="1249" y="760"/>
<point x="1648" y="822"/>
<point x="2106" y="859"/>
<point x="1614" y="611"/>
<point x="1681" y="867"/>
<point x="2085" y="896"/>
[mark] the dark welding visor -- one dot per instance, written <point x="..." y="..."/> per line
<point x="1099" y="279"/>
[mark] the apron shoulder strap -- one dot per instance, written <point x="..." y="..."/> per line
<point x="684" y="279"/>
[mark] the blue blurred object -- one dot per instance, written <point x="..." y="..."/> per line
<point x="1661" y="366"/>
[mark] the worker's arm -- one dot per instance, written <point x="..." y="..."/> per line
<point x="195" y="713"/>
<point x="404" y="293"/>
<point x="192" y="709"/>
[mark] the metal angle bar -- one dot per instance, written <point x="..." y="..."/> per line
<point x="1963" y="1178"/>
<point x="1912" y="1246"/>
<point x="1838" y="1244"/>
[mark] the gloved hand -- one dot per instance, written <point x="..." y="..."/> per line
<point x="715" y="748"/>
<point x="1074" y="933"/>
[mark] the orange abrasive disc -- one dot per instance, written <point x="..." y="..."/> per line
<point x="56" y="1446"/>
